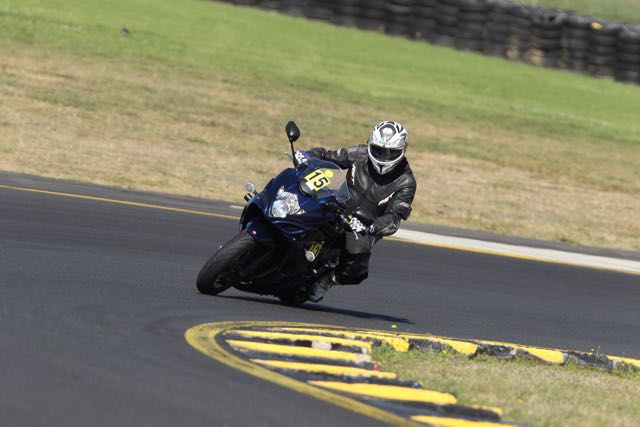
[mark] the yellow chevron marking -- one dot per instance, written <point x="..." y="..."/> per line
<point x="302" y="337"/>
<point x="398" y="343"/>
<point x="634" y="362"/>
<point x="326" y="369"/>
<point x="391" y="392"/>
<point x="498" y="411"/>
<point x="463" y="347"/>
<point x="299" y="351"/>
<point x="455" y="422"/>
<point x="506" y="344"/>
<point x="547" y="354"/>
<point x="551" y="356"/>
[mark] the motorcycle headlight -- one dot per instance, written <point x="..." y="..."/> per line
<point x="285" y="204"/>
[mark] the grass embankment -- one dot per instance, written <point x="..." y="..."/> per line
<point x="612" y="10"/>
<point x="194" y="100"/>
<point x="528" y="393"/>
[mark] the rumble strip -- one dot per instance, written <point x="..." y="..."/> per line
<point x="334" y="364"/>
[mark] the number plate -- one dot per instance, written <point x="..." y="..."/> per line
<point x="319" y="179"/>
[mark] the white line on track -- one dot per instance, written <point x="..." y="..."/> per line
<point x="523" y="252"/>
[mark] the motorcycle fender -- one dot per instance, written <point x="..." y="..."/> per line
<point x="251" y="210"/>
<point x="261" y="232"/>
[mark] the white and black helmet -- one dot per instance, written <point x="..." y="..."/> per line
<point x="387" y="145"/>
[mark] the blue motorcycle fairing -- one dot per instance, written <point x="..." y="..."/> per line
<point x="292" y="226"/>
<point x="261" y="232"/>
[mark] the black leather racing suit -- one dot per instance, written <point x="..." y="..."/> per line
<point x="387" y="197"/>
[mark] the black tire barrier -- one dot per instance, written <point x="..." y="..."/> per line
<point x="245" y="2"/>
<point x="270" y="4"/>
<point x="576" y="42"/>
<point x="509" y="25"/>
<point x="603" y="49"/>
<point x="479" y="7"/>
<point x="545" y="44"/>
<point x="321" y="10"/>
<point x="473" y="16"/>
<point x="372" y="15"/>
<point x="539" y="36"/>
<point x="399" y="19"/>
<point x="628" y="55"/>
<point x="446" y="17"/>
<point x="346" y="13"/>
<point x="629" y="36"/>
<point x="424" y="28"/>
<point x="318" y="12"/>
<point x="293" y="7"/>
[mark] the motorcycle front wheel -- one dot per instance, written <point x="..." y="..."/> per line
<point x="207" y="282"/>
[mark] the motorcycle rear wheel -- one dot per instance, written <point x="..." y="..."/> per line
<point x="207" y="282"/>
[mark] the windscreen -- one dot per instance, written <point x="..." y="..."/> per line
<point x="322" y="179"/>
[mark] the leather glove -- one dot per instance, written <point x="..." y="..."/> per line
<point x="356" y="225"/>
<point x="301" y="157"/>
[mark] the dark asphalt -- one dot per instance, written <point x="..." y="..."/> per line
<point x="95" y="299"/>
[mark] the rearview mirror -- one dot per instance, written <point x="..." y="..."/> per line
<point x="292" y="132"/>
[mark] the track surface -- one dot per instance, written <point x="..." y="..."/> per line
<point x="95" y="298"/>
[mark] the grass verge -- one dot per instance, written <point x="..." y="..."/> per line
<point x="194" y="99"/>
<point x="527" y="392"/>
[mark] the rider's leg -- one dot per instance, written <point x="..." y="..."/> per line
<point x="353" y="267"/>
<point x="354" y="262"/>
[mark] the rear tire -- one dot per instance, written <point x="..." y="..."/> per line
<point x="207" y="282"/>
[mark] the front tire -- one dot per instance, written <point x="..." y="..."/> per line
<point x="207" y="282"/>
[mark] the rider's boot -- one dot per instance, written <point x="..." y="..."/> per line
<point x="321" y="286"/>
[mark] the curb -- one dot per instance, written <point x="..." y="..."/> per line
<point x="334" y="364"/>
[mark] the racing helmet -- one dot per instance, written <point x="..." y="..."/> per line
<point x="387" y="145"/>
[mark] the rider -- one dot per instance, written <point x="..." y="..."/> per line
<point x="380" y="182"/>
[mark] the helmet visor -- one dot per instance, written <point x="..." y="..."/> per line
<point x="385" y="154"/>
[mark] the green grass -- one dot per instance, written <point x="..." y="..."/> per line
<point x="496" y="145"/>
<point x="527" y="392"/>
<point x="349" y="65"/>
<point x="612" y="10"/>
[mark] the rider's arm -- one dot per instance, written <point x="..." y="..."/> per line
<point x="399" y="209"/>
<point x="343" y="157"/>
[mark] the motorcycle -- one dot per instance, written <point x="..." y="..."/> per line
<point x="291" y="233"/>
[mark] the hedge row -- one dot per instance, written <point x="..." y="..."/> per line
<point x="539" y="36"/>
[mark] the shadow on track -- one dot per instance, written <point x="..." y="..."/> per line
<point x="326" y="309"/>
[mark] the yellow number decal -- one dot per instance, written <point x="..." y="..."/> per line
<point x="319" y="179"/>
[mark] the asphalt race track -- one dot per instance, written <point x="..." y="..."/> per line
<point x="95" y="298"/>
